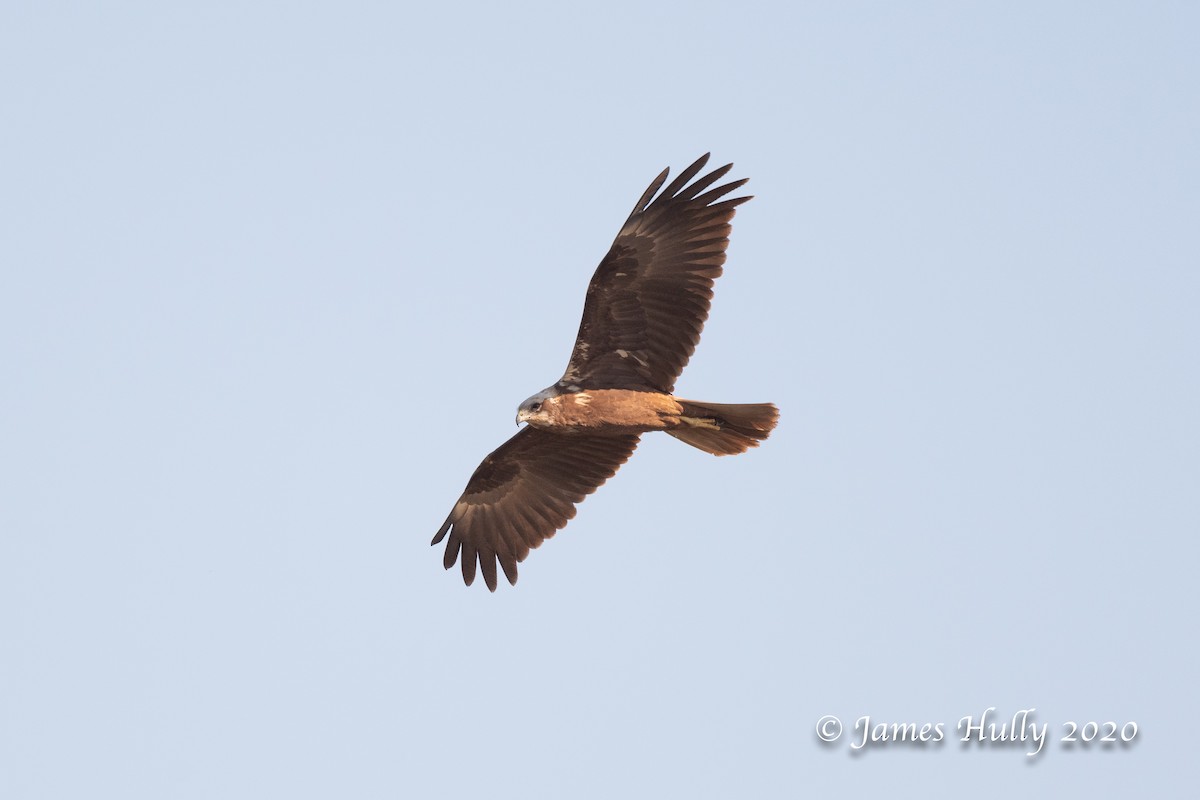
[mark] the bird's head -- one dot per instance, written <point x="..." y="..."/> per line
<point x="533" y="409"/>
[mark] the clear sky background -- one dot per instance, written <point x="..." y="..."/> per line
<point x="274" y="278"/>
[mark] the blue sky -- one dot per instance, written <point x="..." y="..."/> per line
<point x="275" y="277"/>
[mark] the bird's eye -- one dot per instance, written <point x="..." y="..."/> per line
<point x="536" y="407"/>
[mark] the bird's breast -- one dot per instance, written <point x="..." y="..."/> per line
<point x="613" y="411"/>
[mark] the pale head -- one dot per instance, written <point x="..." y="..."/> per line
<point x="532" y="409"/>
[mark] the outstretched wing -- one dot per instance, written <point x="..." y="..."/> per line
<point x="650" y="295"/>
<point x="522" y="493"/>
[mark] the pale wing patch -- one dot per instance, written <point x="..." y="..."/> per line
<point x="634" y="356"/>
<point x="580" y="355"/>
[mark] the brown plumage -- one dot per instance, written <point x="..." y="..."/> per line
<point x="645" y="307"/>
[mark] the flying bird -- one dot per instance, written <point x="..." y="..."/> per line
<point x="642" y="316"/>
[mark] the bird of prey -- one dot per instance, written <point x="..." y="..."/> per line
<point x="642" y="317"/>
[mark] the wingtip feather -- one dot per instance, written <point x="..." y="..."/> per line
<point x="441" y="534"/>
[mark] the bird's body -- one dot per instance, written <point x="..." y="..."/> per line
<point x="615" y="411"/>
<point x="642" y="317"/>
<point x="623" y="411"/>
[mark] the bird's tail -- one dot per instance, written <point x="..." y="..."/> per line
<point x="724" y="429"/>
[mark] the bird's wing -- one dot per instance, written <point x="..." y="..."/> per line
<point x="522" y="493"/>
<point x="650" y="295"/>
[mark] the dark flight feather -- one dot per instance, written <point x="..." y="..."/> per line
<point x="649" y="298"/>
<point x="524" y="492"/>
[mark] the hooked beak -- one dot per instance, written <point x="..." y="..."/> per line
<point x="520" y="418"/>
